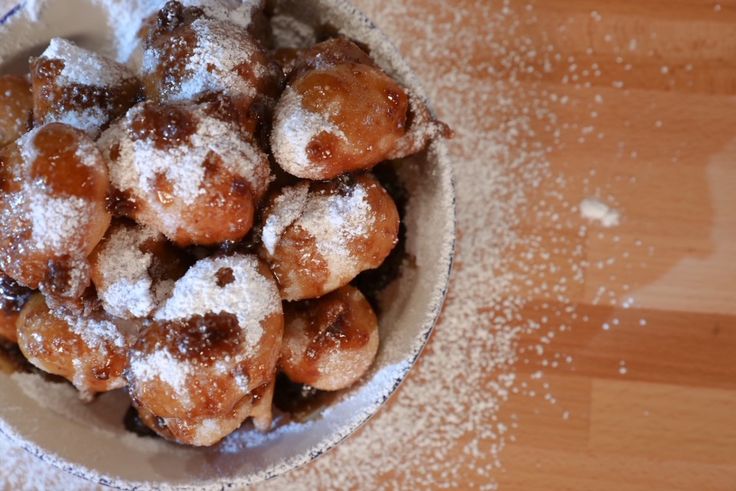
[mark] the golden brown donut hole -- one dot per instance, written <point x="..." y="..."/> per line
<point x="337" y="116"/>
<point x="329" y="343"/>
<point x="90" y="350"/>
<point x="197" y="372"/>
<point x="52" y="208"/>
<point x="185" y="173"/>
<point x="318" y="236"/>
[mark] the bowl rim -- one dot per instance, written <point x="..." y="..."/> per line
<point x="440" y="287"/>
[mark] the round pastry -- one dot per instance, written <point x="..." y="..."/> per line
<point x="185" y="174"/>
<point x="337" y="117"/>
<point x="212" y="343"/>
<point x="89" y="350"/>
<point x="318" y="236"/>
<point x="12" y="299"/>
<point x="16" y="108"/>
<point x="80" y="88"/>
<point x="329" y="343"/>
<point x="341" y="113"/>
<point x="195" y="57"/>
<point x="52" y="208"/>
<point x="134" y="269"/>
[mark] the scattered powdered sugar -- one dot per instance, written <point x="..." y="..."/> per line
<point x="89" y="120"/>
<point x="84" y="67"/>
<point x="162" y="365"/>
<point x="294" y="128"/>
<point x="97" y="334"/>
<point x="288" y="206"/>
<point x="335" y="220"/>
<point x="127" y="288"/>
<point x="596" y="210"/>
<point x="221" y="47"/>
<point x="141" y="161"/>
<point x="54" y="221"/>
<point x="27" y="146"/>
<point x="251" y="297"/>
<point x="88" y="154"/>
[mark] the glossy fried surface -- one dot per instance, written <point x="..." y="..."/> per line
<point x="16" y="108"/>
<point x="329" y="343"/>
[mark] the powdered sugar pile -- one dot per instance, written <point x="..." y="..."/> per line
<point x="96" y="334"/>
<point x="162" y="365"/>
<point x="596" y="210"/>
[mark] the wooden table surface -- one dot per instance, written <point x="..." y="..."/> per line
<point x="650" y="403"/>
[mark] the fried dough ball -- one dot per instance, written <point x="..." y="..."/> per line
<point x="211" y="345"/>
<point x="329" y="343"/>
<point x="318" y="236"/>
<point x="202" y="54"/>
<point x="81" y="88"/>
<point x="134" y="269"/>
<point x="89" y="350"/>
<point x="52" y="209"/>
<point x="341" y="113"/>
<point x="16" y="108"/>
<point x="12" y="299"/>
<point x="186" y="174"/>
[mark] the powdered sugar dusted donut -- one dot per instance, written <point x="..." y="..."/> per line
<point x="81" y="88"/>
<point x="16" y="108"/>
<point x="317" y="237"/>
<point x="89" y="350"/>
<point x="52" y="208"/>
<point x="341" y="113"/>
<point x="186" y="174"/>
<point x="329" y="343"/>
<point x="197" y="52"/>
<point x="212" y="343"/>
<point x="134" y="270"/>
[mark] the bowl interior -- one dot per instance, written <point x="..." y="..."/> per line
<point x="91" y="441"/>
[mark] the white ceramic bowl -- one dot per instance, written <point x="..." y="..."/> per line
<point x="91" y="442"/>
